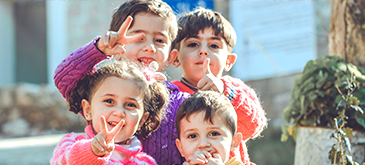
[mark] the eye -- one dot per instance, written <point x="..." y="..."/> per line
<point x="215" y="46"/>
<point x="214" y="134"/>
<point x="131" y="105"/>
<point x="109" y="101"/>
<point x="192" y="136"/>
<point x="193" y="44"/>
<point x="160" y="41"/>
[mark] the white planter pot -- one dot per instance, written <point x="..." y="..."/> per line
<point x="314" y="143"/>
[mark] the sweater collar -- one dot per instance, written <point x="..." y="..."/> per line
<point x="186" y="83"/>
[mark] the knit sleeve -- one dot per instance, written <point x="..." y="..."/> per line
<point x="142" y="158"/>
<point x="251" y="116"/>
<point x="161" y="143"/>
<point x="76" y="66"/>
<point x="76" y="150"/>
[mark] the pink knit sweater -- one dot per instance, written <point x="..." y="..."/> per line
<point x="76" y="149"/>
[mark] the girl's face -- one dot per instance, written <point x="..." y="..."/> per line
<point x="116" y="99"/>
<point x="205" y="136"/>
<point x="155" y="46"/>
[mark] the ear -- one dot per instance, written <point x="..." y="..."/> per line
<point x="237" y="138"/>
<point x="175" y="61"/>
<point x="144" y="118"/>
<point x="86" y="109"/>
<point x="231" y="59"/>
<point x="178" y="145"/>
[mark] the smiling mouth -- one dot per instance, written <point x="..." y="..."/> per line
<point x="145" y="61"/>
<point x="113" y="124"/>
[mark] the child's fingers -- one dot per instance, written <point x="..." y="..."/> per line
<point x="113" y="37"/>
<point x="103" y="126"/>
<point x="116" y="129"/>
<point x="105" y="38"/>
<point x="202" y="84"/>
<point x="216" y="156"/>
<point x="98" y="145"/>
<point x="122" y="33"/>
<point x="206" y="67"/>
<point x="95" y="143"/>
<point x="124" y="28"/>
<point x="207" y="154"/>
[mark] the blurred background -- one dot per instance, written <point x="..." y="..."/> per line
<point x="275" y="39"/>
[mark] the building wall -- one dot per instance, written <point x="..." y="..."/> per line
<point x="7" y="46"/>
<point x="30" y="41"/>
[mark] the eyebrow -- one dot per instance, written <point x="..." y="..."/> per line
<point x="131" y="98"/>
<point x="144" y="31"/>
<point x="188" y="130"/>
<point x="210" y="38"/>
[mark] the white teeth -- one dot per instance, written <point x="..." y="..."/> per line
<point x="113" y="124"/>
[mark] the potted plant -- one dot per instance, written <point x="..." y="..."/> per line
<point x="330" y="93"/>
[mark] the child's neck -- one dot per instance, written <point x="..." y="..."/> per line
<point x="126" y="142"/>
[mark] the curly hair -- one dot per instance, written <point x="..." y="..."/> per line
<point x="155" y="95"/>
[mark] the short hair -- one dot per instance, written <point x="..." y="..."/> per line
<point x="155" y="95"/>
<point x="191" y="23"/>
<point x="133" y="7"/>
<point x="212" y="104"/>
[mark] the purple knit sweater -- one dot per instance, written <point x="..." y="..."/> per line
<point x="161" y="143"/>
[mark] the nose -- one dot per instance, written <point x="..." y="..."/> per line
<point x="119" y="112"/>
<point x="203" y="51"/>
<point x="204" y="143"/>
<point x="149" y="47"/>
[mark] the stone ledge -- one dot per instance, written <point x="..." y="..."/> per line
<point x="28" y="150"/>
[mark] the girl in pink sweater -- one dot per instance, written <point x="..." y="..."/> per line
<point x="118" y="102"/>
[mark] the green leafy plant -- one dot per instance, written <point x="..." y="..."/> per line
<point x="315" y="99"/>
<point x="339" y="151"/>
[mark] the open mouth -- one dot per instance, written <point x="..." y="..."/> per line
<point x="113" y="124"/>
<point x="145" y="61"/>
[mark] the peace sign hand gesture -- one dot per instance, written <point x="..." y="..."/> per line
<point x="103" y="142"/>
<point x="112" y="43"/>
<point x="209" y="81"/>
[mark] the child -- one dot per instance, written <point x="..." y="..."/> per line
<point x="161" y="143"/>
<point x="205" y="42"/>
<point x="206" y="125"/>
<point x="118" y="102"/>
<point x="156" y="20"/>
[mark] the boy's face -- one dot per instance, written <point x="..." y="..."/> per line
<point x="194" y="50"/>
<point x="155" y="46"/>
<point x="202" y="135"/>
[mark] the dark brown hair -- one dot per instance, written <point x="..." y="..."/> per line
<point x="133" y="7"/>
<point x="212" y="104"/>
<point x="155" y="95"/>
<point x="191" y="23"/>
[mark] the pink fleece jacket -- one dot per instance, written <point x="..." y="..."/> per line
<point x="76" y="149"/>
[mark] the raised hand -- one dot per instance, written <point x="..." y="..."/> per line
<point x="112" y="43"/>
<point x="209" y="81"/>
<point x="215" y="159"/>
<point x="199" y="157"/>
<point x="103" y="142"/>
